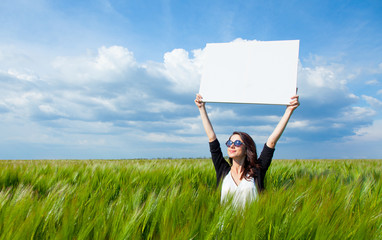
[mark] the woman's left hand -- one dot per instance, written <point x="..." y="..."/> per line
<point x="294" y="103"/>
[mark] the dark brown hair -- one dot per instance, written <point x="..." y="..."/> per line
<point x="251" y="162"/>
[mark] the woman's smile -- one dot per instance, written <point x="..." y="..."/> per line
<point x="231" y="150"/>
<point x="235" y="151"/>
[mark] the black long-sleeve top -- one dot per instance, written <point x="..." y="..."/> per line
<point x="222" y="167"/>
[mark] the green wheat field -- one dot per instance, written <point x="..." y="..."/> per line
<point x="179" y="199"/>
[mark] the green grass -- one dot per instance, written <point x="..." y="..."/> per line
<point x="178" y="199"/>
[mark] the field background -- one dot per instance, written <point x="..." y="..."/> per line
<point x="178" y="199"/>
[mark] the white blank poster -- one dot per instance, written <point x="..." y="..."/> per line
<point x="261" y="72"/>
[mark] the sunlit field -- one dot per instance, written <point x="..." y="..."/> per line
<point x="178" y="199"/>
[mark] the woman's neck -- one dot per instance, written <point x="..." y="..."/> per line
<point x="238" y="165"/>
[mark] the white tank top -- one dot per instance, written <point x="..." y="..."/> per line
<point x="241" y="194"/>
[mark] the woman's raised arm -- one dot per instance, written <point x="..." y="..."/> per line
<point x="206" y="121"/>
<point x="274" y="137"/>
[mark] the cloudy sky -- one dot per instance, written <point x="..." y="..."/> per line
<point x="117" y="78"/>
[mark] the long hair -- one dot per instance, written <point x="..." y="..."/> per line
<point x="251" y="162"/>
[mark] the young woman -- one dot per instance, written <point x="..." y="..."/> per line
<point x="244" y="177"/>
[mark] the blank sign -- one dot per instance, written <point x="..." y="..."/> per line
<point x="260" y="72"/>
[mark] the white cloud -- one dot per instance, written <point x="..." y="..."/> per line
<point x="108" y="65"/>
<point x="162" y="106"/>
<point x="323" y="83"/>
<point x="104" y="98"/>
<point x="22" y="99"/>
<point x="50" y="110"/>
<point x="322" y="77"/>
<point x="299" y="124"/>
<point x="22" y="76"/>
<point x="353" y="96"/>
<point x="172" y="138"/>
<point x="325" y="89"/>
<point x="111" y="80"/>
<point x="106" y="103"/>
<point x="307" y="126"/>
<point x="115" y="58"/>
<point x="266" y="118"/>
<point x="371" y="133"/>
<point x="338" y="125"/>
<point x="356" y="113"/>
<point x="182" y="71"/>
<point x="372" y="82"/>
<point x="101" y="99"/>
<point x="375" y="103"/>
<point x="222" y="114"/>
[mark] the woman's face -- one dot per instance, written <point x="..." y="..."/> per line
<point x="234" y="151"/>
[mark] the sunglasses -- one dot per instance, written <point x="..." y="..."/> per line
<point x="237" y="143"/>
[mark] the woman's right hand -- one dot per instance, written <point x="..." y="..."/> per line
<point x="199" y="101"/>
<point x="204" y="116"/>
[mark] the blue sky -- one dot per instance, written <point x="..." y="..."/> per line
<point x="117" y="79"/>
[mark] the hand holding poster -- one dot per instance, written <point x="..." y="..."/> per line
<point x="260" y="72"/>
